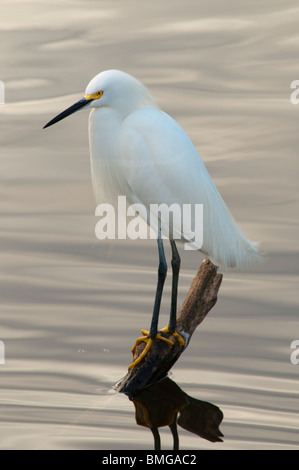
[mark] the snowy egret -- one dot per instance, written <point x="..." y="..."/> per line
<point x="139" y="151"/>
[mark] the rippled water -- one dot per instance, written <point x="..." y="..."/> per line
<point x="71" y="306"/>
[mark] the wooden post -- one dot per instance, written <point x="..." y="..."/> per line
<point x="201" y="298"/>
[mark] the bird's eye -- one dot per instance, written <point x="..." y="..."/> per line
<point x="99" y="94"/>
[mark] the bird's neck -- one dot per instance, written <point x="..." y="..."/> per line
<point x="104" y="126"/>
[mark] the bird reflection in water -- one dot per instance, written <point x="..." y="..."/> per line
<point x="166" y="404"/>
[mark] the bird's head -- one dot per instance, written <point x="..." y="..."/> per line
<point x="114" y="89"/>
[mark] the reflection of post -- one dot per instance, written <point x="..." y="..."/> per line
<point x="166" y="404"/>
<point x="2" y="92"/>
<point x="2" y="353"/>
<point x="201" y="298"/>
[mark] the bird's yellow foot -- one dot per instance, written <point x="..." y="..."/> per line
<point x="175" y="334"/>
<point x="149" y="341"/>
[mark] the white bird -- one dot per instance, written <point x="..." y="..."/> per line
<point x="139" y="151"/>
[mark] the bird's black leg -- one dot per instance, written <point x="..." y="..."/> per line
<point x="176" y="264"/>
<point x="174" y="430"/>
<point x="150" y="336"/>
<point x="157" y="439"/>
<point x="162" y="273"/>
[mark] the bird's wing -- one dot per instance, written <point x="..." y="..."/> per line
<point x="159" y="164"/>
<point x="160" y="161"/>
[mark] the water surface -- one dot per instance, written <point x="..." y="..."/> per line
<point x="71" y="306"/>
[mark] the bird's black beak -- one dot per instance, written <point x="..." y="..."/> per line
<point x="72" y="109"/>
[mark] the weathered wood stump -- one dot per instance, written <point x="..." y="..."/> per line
<point x="201" y="298"/>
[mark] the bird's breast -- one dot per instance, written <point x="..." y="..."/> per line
<point x="104" y="132"/>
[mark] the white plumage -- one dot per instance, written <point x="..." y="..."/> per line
<point x="139" y="151"/>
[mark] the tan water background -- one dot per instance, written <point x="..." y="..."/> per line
<point x="71" y="306"/>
